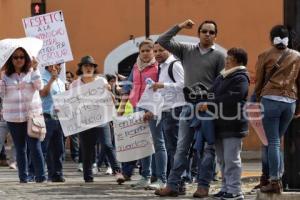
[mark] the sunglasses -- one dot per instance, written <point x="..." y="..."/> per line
<point x="18" y="57"/>
<point x="207" y="31"/>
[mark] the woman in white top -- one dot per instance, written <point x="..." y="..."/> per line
<point x="89" y="138"/>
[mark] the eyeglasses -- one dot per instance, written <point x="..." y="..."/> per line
<point x="204" y="31"/>
<point x="18" y="57"/>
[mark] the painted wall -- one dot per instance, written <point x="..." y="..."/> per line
<point x="97" y="27"/>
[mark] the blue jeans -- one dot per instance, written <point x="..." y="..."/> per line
<point x="185" y="140"/>
<point x="105" y="139"/>
<point x="128" y="167"/>
<point x="170" y="126"/>
<point x="74" y="147"/>
<point x="277" y="117"/>
<point x="160" y="154"/>
<point x="265" y="162"/>
<point x="53" y="148"/>
<point x="21" y="139"/>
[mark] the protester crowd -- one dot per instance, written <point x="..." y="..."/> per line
<point x="213" y="88"/>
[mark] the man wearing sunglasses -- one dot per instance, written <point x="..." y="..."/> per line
<point x="201" y="63"/>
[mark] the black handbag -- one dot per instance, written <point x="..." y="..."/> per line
<point x="195" y="93"/>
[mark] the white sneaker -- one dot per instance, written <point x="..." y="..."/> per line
<point x="95" y="168"/>
<point x="109" y="171"/>
<point x="80" y="168"/>
<point x="156" y="185"/>
<point x="142" y="183"/>
<point x="13" y="165"/>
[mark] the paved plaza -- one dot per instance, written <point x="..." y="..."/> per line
<point x="104" y="186"/>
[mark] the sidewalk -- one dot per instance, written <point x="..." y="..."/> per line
<point x="104" y="186"/>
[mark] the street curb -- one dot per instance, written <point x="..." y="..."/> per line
<point x="283" y="196"/>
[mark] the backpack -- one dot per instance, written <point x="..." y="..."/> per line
<point x="170" y="70"/>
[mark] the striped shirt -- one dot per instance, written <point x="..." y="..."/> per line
<point x="20" y="95"/>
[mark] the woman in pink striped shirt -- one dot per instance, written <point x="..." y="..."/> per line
<point x="20" y="82"/>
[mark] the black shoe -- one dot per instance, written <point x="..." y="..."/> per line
<point x="89" y="180"/>
<point x="229" y="196"/>
<point x="76" y="159"/>
<point x="23" y="181"/>
<point x="219" y="195"/>
<point x="58" y="179"/>
<point x="41" y="180"/>
<point x="182" y="188"/>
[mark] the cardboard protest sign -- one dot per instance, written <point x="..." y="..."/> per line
<point x="133" y="137"/>
<point x="84" y="107"/>
<point x="50" y="28"/>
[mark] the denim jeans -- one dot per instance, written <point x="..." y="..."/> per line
<point x="21" y="139"/>
<point x="265" y="162"/>
<point x="185" y="140"/>
<point x="170" y="126"/>
<point x="128" y="167"/>
<point x="74" y="146"/>
<point x="102" y="152"/>
<point x="229" y="158"/>
<point x="277" y="117"/>
<point x="160" y="154"/>
<point x="53" y="148"/>
<point x="105" y="139"/>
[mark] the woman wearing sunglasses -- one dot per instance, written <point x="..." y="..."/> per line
<point x="20" y="81"/>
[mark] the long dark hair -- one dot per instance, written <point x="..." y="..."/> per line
<point x="9" y="66"/>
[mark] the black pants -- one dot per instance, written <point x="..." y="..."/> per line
<point x="88" y="140"/>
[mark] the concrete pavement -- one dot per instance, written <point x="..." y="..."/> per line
<point x="104" y="186"/>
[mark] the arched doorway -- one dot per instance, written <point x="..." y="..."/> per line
<point x="125" y="66"/>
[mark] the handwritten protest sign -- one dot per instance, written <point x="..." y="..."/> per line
<point x="255" y="119"/>
<point x="172" y="98"/>
<point x="84" y="107"/>
<point x="152" y="101"/>
<point x="50" y="28"/>
<point x="133" y="137"/>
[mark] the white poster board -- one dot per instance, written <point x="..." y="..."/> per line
<point x="132" y="137"/>
<point x="50" y="28"/>
<point x="152" y="101"/>
<point x="84" y="107"/>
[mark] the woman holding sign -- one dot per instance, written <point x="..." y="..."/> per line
<point x="88" y="138"/>
<point x="19" y="81"/>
